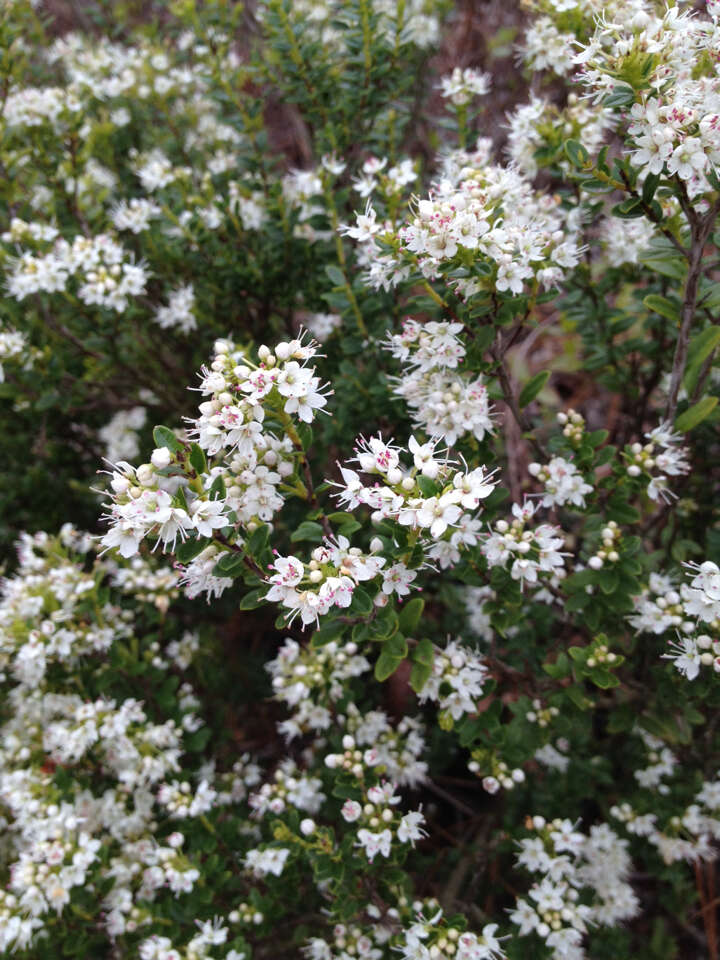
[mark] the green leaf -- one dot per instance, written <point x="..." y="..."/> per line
<point x="253" y="599"/>
<point x="662" y="257"/>
<point x="608" y="580"/>
<point x="533" y="387"/>
<point x="695" y="414"/>
<point x="362" y="604"/>
<point x="346" y="523"/>
<point x="621" y="512"/>
<point x="394" y="651"/>
<point x="304" y="431"/>
<point x="410" y="614"/>
<point x="629" y="209"/>
<point x="336" y="275"/>
<point x="258" y="540"/>
<point x="561" y="667"/>
<point x="428" y="487"/>
<point x="422" y="657"/>
<point x="650" y="186"/>
<point x="666" y="308"/>
<point x="604" y="679"/>
<point x="197" y="459"/>
<point x="308" y="530"/>
<point x="620" y="96"/>
<point x="185" y="552"/>
<point x="165" y="437"/>
<point x="327" y="634"/>
<point x="230" y="565"/>
<point x="699" y="349"/>
<point x="576" y="153"/>
<point x="419" y="676"/>
<point x="217" y="489"/>
<point x="424" y="652"/>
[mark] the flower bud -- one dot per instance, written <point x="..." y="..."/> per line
<point x="161" y="458"/>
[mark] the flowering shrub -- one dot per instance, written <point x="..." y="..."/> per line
<point x="398" y="633"/>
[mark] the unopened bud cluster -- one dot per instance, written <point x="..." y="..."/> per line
<point x="608" y="552"/>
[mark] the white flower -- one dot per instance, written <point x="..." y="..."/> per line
<point x="374" y="843"/>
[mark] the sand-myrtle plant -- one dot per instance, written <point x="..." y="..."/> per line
<point x="369" y="604"/>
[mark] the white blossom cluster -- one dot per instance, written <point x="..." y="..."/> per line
<point x="98" y="67"/>
<point x="42" y="606"/>
<point x="178" y="312"/>
<point x="675" y="127"/>
<point x="489" y="219"/>
<point x="663" y="453"/>
<point x="690" y="835"/>
<point x="529" y="552"/>
<point x="692" y="611"/>
<point x="290" y="788"/>
<point x="212" y="936"/>
<point x="444" y="402"/>
<point x="328" y="581"/>
<point x="14" y="346"/>
<point x="460" y="86"/>
<point x="570" y="865"/>
<point x="550" y="41"/>
<point x="531" y="124"/>
<point x="417" y="21"/>
<point x="456" y="681"/>
<point x="445" y="515"/>
<point x="134" y="214"/>
<point x="120" y="434"/>
<point x="104" y="273"/>
<point x="99" y="824"/>
<point x="309" y="680"/>
<point x="433" y="938"/>
<point x="625" y="240"/>
<point x="250" y="463"/>
<point x="374" y="816"/>
<point x="397" y="748"/>
<point x="37" y="106"/>
<point x="563" y="483"/>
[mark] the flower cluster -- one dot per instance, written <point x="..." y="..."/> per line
<point x="677" y="829"/>
<point x="105" y="274"/>
<point x="430" y="497"/>
<point x="490" y="220"/>
<point x="444" y="401"/>
<point x="120" y="434"/>
<point x="373" y="815"/>
<point x="572" y="865"/>
<point x="44" y="607"/>
<point x="98" y="822"/>
<point x="309" y="680"/>
<point x="434" y="938"/>
<point x="456" y="681"/>
<point x="396" y="748"/>
<point x="530" y="552"/>
<point x="241" y="485"/>
<point x="662" y="453"/>
<point x="673" y="129"/>
<point x="563" y="483"/>
<point x="462" y="85"/>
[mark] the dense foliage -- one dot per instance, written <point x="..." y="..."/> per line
<point x="398" y="633"/>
